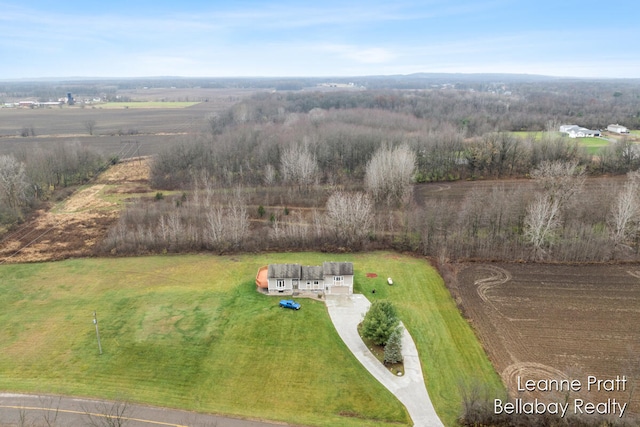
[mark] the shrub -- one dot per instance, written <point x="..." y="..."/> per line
<point x="393" y="349"/>
<point x="380" y="322"/>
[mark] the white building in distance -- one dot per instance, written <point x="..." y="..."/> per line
<point x="575" y="131"/>
<point x="617" y="129"/>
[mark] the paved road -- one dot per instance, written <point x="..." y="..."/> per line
<point x="30" y="410"/>
<point x="347" y="312"/>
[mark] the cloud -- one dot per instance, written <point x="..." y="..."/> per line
<point x="361" y="54"/>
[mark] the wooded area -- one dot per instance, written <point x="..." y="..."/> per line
<point x="345" y="170"/>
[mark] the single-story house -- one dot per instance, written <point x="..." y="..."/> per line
<point x="575" y="131"/>
<point x="330" y="278"/>
<point x="617" y="129"/>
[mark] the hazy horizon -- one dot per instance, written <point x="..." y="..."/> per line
<point x="281" y="38"/>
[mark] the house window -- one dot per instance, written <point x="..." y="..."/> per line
<point x="316" y="284"/>
<point x="279" y="284"/>
<point x="338" y="280"/>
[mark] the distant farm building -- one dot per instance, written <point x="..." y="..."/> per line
<point x="291" y="279"/>
<point x="575" y="131"/>
<point x="617" y="129"/>
<point x="36" y="104"/>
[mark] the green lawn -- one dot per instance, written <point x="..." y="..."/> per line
<point x="146" y="104"/>
<point x="451" y="355"/>
<point x="593" y="145"/>
<point x="536" y="136"/>
<point x="191" y="332"/>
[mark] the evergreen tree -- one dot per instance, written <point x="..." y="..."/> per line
<point x="393" y="349"/>
<point x="380" y="322"/>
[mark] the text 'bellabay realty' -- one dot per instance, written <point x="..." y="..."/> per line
<point x="578" y="406"/>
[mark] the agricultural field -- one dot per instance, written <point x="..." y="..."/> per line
<point x="548" y="321"/>
<point x="191" y="332"/>
<point x="147" y="104"/>
<point x="155" y="124"/>
<point x="457" y="191"/>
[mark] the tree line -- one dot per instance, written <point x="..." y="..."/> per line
<point x="454" y="135"/>
<point x="28" y="178"/>
<point x="344" y="177"/>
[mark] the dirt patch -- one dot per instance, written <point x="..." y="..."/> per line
<point x="555" y="322"/>
<point x="74" y="228"/>
<point x="130" y="171"/>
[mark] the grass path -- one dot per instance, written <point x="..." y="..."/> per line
<point x="191" y="332"/>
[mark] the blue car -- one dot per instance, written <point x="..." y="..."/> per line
<point x="287" y="303"/>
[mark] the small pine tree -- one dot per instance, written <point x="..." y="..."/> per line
<point x="380" y="322"/>
<point x="393" y="349"/>
<point x="261" y="211"/>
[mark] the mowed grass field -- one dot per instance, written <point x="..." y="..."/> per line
<point x="592" y="145"/>
<point x="191" y="332"/>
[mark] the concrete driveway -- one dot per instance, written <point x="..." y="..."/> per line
<point x="346" y="312"/>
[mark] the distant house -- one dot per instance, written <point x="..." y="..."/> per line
<point x="617" y="129"/>
<point x="330" y="278"/>
<point x="575" y="131"/>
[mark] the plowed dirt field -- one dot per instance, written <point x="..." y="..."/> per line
<point x="546" y="322"/>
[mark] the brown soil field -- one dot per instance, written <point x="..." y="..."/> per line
<point x="73" y="227"/>
<point x="456" y="191"/>
<point x="544" y="322"/>
<point x="154" y="129"/>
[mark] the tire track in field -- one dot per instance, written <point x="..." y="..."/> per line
<point x="529" y="370"/>
<point x="510" y="339"/>
<point x="499" y="276"/>
<point x="635" y="274"/>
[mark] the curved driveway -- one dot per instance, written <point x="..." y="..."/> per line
<point x="346" y="313"/>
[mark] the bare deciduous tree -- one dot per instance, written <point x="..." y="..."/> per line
<point x="540" y="223"/>
<point x="237" y="219"/>
<point x="625" y="213"/>
<point x="298" y="165"/>
<point x="389" y="174"/>
<point x="269" y="175"/>
<point x="90" y="126"/>
<point x="108" y="414"/>
<point x="561" y="180"/>
<point x="13" y="182"/>
<point x="349" y="216"/>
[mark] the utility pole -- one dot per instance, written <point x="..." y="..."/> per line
<point x="95" y="322"/>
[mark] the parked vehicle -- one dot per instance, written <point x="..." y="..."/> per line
<point x="287" y="303"/>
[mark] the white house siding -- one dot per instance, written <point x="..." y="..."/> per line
<point x="343" y="286"/>
<point x="274" y="289"/>
<point x="617" y="129"/>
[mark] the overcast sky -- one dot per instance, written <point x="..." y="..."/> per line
<point x="134" y="38"/>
